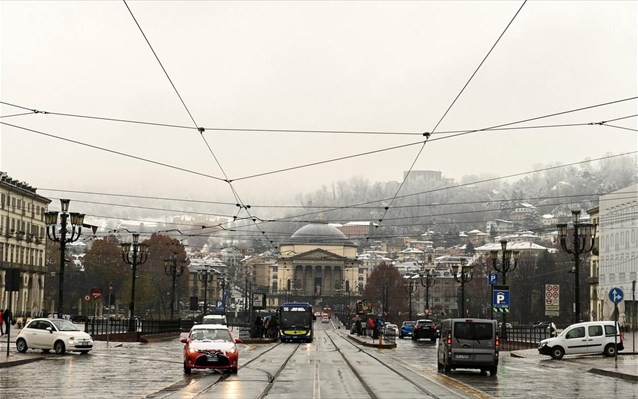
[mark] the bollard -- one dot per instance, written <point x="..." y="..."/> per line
<point x="380" y="340"/>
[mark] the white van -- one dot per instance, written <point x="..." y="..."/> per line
<point x="215" y="319"/>
<point x="468" y="344"/>
<point x="590" y="337"/>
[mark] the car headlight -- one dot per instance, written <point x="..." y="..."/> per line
<point x="192" y="350"/>
<point x="231" y="351"/>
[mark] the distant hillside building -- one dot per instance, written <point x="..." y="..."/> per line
<point x="499" y="226"/>
<point x="22" y="245"/>
<point x="356" y="230"/>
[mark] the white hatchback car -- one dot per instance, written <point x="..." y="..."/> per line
<point x="590" y="337"/>
<point x="53" y="334"/>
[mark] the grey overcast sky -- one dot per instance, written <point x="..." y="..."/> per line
<point x="384" y="66"/>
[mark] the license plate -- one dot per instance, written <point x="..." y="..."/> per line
<point x="211" y="358"/>
<point x="462" y="356"/>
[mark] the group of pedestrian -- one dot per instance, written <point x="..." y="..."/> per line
<point x="265" y="327"/>
<point x="5" y="320"/>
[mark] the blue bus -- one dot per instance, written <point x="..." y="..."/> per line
<point x="295" y="322"/>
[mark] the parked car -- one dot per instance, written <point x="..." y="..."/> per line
<point x="390" y="329"/>
<point x="424" y="328"/>
<point x="215" y="319"/>
<point x="468" y="343"/>
<point x="406" y="328"/>
<point x="210" y="346"/>
<point x="53" y="334"/>
<point x="589" y="337"/>
<point x="325" y="319"/>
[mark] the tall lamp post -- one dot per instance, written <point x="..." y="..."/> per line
<point x="51" y="218"/>
<point x="463" y="274"/>
<point x="409" y="283"/>
<point x="222" y="285"/>
<point x="427" y="281"/>
<point x="134" y="254"/>
<point x="174" y="270"/>
<point x="505" y="267"/>
<point x="582" y="242"/>
<point x="205" y="276"/>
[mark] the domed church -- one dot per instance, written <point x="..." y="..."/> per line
<point x="318" y="265"/>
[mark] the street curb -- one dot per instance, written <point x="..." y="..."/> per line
<point x="371" y="345"/>
<point x="610" y="373"/>
<point x="11" y="363"/>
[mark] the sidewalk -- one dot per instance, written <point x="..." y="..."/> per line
<point x="16" y="358"/>
<point x="625" y="367"/>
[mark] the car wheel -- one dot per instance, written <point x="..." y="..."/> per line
<point x="557" y="352"/>
<point x="610" y="350"/>
<point x="187" y="370"/>
<point x="447" y="369"/>
<point x="233" y="370"/>
<point x="413" y="338"/>
<point x="433" y="339"/>
<point x="493" y="371"/>
<point x="59" y="348"/>
<point x="21" y="345"/>
<point x="483" y="372"/>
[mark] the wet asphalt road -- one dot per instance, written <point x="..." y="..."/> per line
<point x="131" y="370"/>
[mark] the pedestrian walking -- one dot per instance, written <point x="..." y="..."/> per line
<point x="1" y="323"/>
<point x="553" y="331"/>
<point x="8" y="320"/>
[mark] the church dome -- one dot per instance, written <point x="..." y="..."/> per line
<point x="316" y="233"/>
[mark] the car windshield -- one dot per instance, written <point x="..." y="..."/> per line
<point x="408" y="323"/>
<point x="64" y="325"/>
<point x="210" y="335"/>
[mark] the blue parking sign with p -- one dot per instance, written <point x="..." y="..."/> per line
<point x="501" y="298"/>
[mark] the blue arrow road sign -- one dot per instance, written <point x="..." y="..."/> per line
<point x="616" y="295"/>
<point x="501" y="298"/>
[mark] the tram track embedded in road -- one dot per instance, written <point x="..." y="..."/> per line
<point x="384" y="364"/>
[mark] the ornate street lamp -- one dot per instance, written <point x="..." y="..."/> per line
<point x="134" y="254"/>
<point x="427" y="281"/>
<point x="51" y="218"/>
<point x="462" y="274"/>
<point x="205" y="276"/>
<point x="172" y="269"/>
<point x="505" y="267"/>
<point x="582" y="242"/>
<point x="410" y="285"/>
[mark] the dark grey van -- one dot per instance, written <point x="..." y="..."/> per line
<point x="468" y="344"/>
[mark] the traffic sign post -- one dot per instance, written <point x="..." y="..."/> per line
<point x="616" y="295"/>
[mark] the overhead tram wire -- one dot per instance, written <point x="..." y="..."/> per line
<point x="451" y="133"/>
<point x="114" y="152"/>
<point x="428" y="134"/>
<point x="199" y="129"/>
<point x="361" y="205"/>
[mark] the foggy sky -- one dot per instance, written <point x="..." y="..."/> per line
<point x="335" y="66"/>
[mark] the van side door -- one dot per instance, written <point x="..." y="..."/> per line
<point x="576" y="341"/>
<point x="595" y="338"/>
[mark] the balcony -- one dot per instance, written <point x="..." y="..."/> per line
<point x="592" y="280"/>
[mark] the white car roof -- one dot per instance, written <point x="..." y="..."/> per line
<point x="209" y="327"/>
